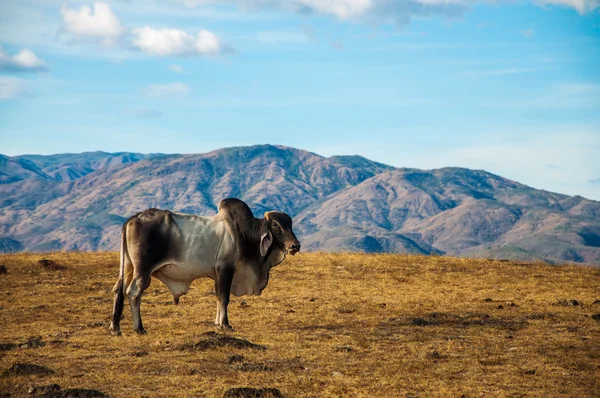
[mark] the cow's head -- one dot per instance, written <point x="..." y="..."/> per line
<point x="278" y="232"/>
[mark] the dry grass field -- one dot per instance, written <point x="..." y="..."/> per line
<point x="346" y="325"/>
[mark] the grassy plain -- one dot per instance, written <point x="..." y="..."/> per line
<point x="332" y="324"/>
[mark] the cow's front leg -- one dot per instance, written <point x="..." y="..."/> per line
<point x="218" y="316"/>
<point x="224" y="280"/>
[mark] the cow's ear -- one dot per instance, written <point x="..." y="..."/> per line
<point x="266" y="239"/>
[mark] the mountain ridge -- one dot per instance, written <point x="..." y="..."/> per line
<point x="338" y="202"/>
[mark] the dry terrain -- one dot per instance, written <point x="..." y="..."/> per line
<point x="327" y="325"/>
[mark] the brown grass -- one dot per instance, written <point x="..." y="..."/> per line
<point x="333" y="324"/>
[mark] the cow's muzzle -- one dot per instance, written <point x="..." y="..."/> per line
<point x="293" y="249"/>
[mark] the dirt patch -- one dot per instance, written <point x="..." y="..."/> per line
<point x="215" y="340"/>
<point x="235" y="358"/>
<point x="75" y="393"/>
<point x="247" y="392"/>
<point x="22" y="369"/>
<point x="541" y="315"/>
<point x="51" y="265"/>
<point x="462" y="321"/>
<point x="7" y="346"/>
<point x="254" y="367"/>
<point x="566" y="302"/>
<point x="3" y="269"/>
<point x="32" y="342"/>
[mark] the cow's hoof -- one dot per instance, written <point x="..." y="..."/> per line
<point x="226" y="328"/>
<point x="141" y="331"/>
<point x="114" y="330"/>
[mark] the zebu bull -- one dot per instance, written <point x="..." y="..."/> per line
<point x="233" y="248"/>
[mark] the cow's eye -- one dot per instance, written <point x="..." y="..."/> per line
<point x="276" y="227"/>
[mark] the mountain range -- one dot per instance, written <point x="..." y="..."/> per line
<point x="338" y="203"/>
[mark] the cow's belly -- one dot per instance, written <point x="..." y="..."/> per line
<point x="186" y="272"/>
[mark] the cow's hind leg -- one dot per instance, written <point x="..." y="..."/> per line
<point x="117" y="307"/>
<point x="135" y="290"/>
<point x="218" y="317"/>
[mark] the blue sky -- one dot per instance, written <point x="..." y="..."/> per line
<point x="509" y="87"/>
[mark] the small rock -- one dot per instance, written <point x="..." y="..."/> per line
<point x="33" y="342"/>
<point x="575" y="302"/>
<point x="487" y="300"/>
<point x="39" y="390"/>
<point x="383" y="305"/>
<point x="596" y="317"/>
<point x="234" y="359"/>
<point x="3" y="269"/>
<point x="244" y="304"/>
<point x="434" y="355"/>
<point x="336" y="374"/>
<point x="313" y="299"/>
<point x="247" y="392"/>
<point x="530" y="372"/>
<point x="139" y="354"/>
<point x="500" y="307"/>
<point x="343" y="348"/>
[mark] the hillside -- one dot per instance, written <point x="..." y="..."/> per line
<point x="341" y="203"/>
<point x="327" y="325"/>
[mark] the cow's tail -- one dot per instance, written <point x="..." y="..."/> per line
<point x="119" y="288"/>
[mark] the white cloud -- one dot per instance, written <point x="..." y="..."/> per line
<point x="12" y="88"/>
<point x="176" y="42"/>
<point x="101" y="23"/>
<point x="25" y="60"/>
<point x="167" y="90"/>
<point x="394" y="11"/>
<point x="520" y="153"/>
<point x="176" y="68"/>
<point x="582" y="6"/>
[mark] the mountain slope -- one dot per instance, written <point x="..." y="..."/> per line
<point x="71" y="166"/>
<point x="339" y="203"/>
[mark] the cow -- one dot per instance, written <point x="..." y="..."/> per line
<point x="233" y="248"/>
